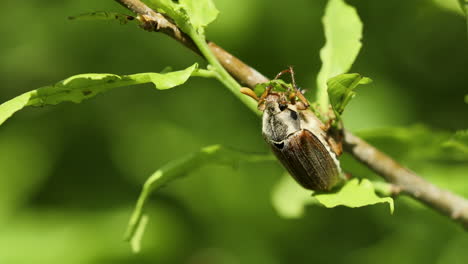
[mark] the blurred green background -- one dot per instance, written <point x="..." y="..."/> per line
<point x="71" y="173"/>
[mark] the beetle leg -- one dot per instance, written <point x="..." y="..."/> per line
<point x="264" y="94"/>
<point x="292" y="98"/>
<point x="335" y="147"/>
<point x="302" y="98"/>
<point x="326" y="126"/>
<point x="291" y="95"/>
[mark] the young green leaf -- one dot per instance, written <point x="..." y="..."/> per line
<point x="343" y="32"/>
<point x="341" y="89"/>
<point x="84" y="86"/>
<point x="187" y="14"/>
<point x="201" y="12"/>
<point x="289" y="199"/>
<point x="176" y="169"/>
<point x="354" y="194"/>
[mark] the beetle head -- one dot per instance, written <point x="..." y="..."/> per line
<point x="280" y="118"/>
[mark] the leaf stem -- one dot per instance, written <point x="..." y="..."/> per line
<point x="222" y="75"/>
<point x="205" y="73"/>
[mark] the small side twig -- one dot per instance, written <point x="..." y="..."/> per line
<point x="404" y="180"/>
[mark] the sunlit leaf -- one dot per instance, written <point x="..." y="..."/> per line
<point x="341" y="89"/>
<point x="343" y="32"/>
<point x="84" y="86"/>
<point x="289" y="199"/>
<point x="187" y="13"/>
<point x="201" y="12"/>
<point x="354" y="194"/>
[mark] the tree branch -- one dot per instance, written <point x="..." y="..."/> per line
<point x="410" y="183"/>
<point x="445" y="202"/>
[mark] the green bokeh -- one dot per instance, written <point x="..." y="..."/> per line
<point x="70" y="173"/>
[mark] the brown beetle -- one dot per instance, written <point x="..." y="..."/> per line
<point x="298" y="138"/>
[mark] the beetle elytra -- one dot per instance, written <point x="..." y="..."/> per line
<point x="298" y="138"/>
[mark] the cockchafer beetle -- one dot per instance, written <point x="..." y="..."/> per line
<point x="298" y="138"/>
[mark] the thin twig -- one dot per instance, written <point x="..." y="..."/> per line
<point x="445" y="202"/>
<point x="410" y="183"/>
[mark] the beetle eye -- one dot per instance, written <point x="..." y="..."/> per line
<point x="279" y="145"/>
<point x="282" y="106"/>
